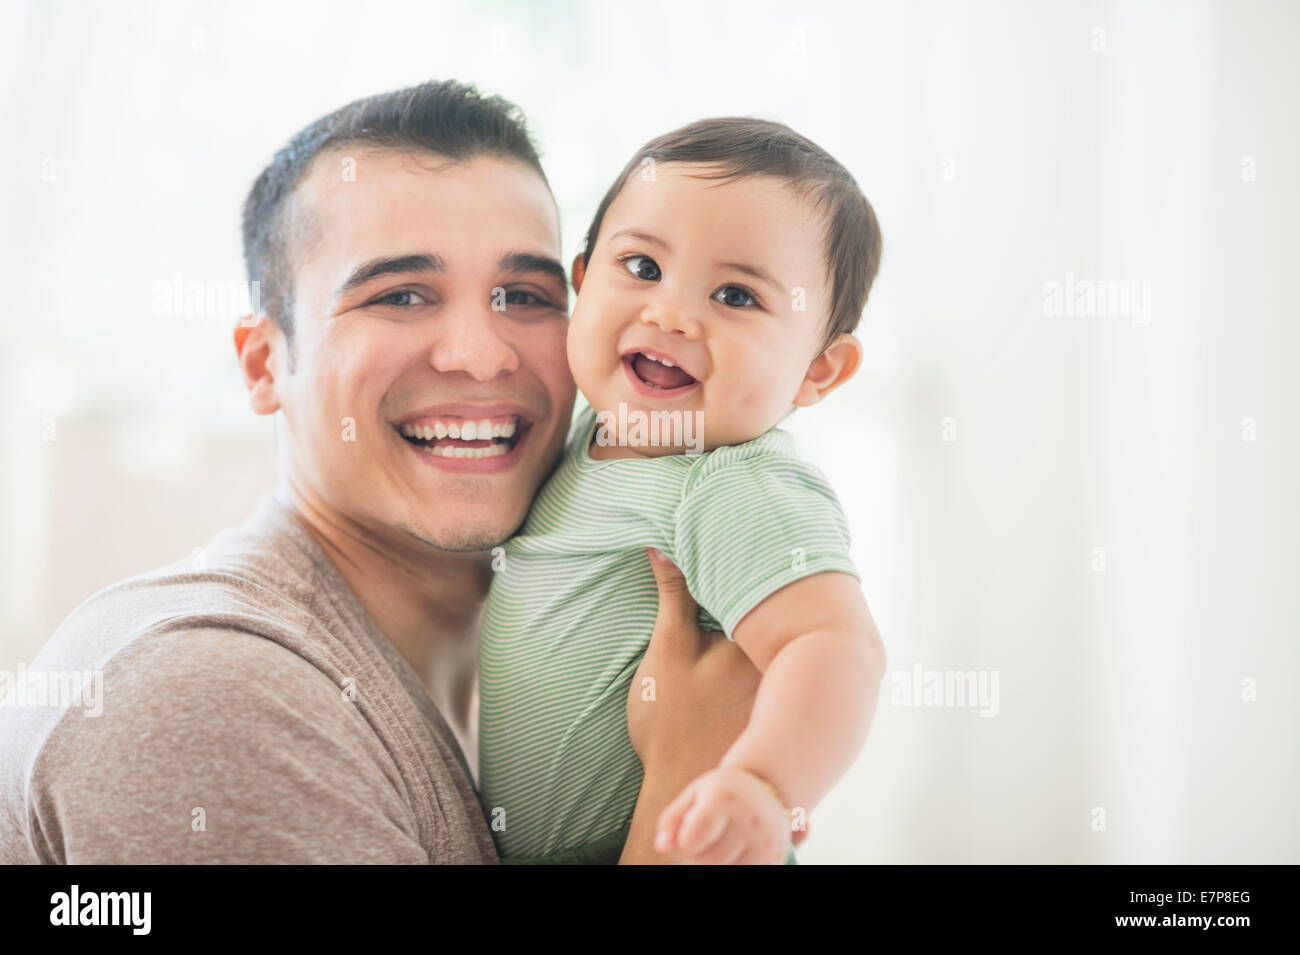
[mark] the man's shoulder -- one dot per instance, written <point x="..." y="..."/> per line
<point x="209" y="653"/>
<point x="244" y="690"/>
<point x="210" y="688"/>
<point x="258" y="578"/>
<point x="246" y="617"/>
<point x="200" y="745"/>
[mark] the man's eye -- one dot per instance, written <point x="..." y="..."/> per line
<point x="643" y="267"/>
<point x="522" y="297"/>
<point x="735" y="297"/>
<point x="402" y="298"/>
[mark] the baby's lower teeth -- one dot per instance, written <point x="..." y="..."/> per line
<point x="451" y="451"/>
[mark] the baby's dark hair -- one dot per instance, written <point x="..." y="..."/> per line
<point x="740" y="147"/>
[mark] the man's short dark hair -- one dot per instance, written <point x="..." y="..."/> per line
<point x="740" y="147"/>
<point x="448" y="118"/>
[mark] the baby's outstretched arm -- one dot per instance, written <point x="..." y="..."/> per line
<point x="822" y="662"/>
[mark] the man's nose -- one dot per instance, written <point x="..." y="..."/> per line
<point x="667" y="314"/>
<point x="469" y="342"/>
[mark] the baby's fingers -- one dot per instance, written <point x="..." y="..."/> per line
<point x="702" y="826"/>
<point x="670" y="820"/>
<point x="730" y="846"/>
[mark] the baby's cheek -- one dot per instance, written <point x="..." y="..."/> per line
<point x="583" y="351"/>
<point x="757" y="402"/>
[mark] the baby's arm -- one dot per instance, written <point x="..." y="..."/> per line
<point x="822" y="662"/>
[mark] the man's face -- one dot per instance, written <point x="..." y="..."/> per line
<point x="429" y="304"/>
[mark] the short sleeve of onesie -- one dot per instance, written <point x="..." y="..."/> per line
<point x="752" y="520"/>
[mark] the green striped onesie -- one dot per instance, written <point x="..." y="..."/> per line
<point x="573" y="603"/>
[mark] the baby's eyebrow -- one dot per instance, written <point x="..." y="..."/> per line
<point x="643" y="236"/>
<point x="761" y="274"/>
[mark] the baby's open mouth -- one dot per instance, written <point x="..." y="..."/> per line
<point x="453" y="437"/>
<point x="658" y="372"/>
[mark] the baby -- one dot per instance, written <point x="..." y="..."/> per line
<point x="718" y="289"/>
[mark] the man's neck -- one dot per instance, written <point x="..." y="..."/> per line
<point x="427" y="603"/>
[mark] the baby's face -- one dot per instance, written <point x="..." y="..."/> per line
<point x="725" y="279"/>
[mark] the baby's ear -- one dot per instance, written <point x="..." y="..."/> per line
<point x="579" y="270"/>
<point x="834" y="366"/>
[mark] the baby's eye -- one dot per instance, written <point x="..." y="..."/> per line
<point x="402" y="298"/>
<point x="735" y="297"/>
<point x="643" y="267"/>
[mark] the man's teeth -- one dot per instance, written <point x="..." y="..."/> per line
<point x="452" y="451"/>
<point x="461" y="430"/>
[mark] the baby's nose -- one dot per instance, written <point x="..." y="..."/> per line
<point x="670" y="318"/>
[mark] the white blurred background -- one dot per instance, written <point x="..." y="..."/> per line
<point x="1094" y="505"/>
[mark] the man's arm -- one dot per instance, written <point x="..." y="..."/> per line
<point x="658" y="790"/>
<point x="691" y="698"/>
<point x="217" y="746"/>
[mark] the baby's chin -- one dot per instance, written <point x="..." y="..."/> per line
<point x="630" y="426"/>
<point x="645" y="451"/>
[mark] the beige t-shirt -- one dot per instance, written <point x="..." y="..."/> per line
<point x="250" y="712"/>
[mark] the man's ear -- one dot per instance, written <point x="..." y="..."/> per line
<point x="579" y="270"/>
<point x="257" y="339"/>
<point x="834" y="366"/>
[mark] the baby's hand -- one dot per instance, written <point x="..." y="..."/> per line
<point x="728" y="816"/>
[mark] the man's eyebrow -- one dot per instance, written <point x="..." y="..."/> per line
<point x="518" y="263"/>
<point x="643" y="236"/>
<point x="391" y="265"/>
<point x="761" y="274"/>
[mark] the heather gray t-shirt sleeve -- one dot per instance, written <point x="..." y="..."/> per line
<point x="249" y="712"/>
<point x="266" y="762"/>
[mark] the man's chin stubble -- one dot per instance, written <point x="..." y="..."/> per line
<point x="475" y="540"/>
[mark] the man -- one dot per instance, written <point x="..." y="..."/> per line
<point x="306" y="694"/>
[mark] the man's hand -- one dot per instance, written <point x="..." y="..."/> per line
<point x="726" y="817"/>
<point x="694" y="689"/>
<point x="690" y="699"/>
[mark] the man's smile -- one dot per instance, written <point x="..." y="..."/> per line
<point x="466" y="437"/>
